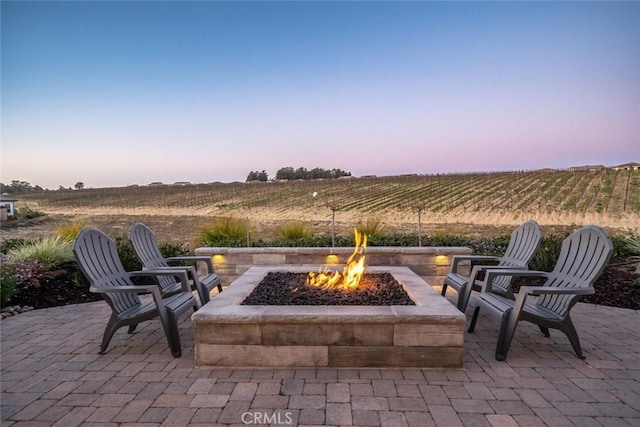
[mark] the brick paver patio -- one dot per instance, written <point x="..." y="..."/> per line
<point x="52" y="375"/>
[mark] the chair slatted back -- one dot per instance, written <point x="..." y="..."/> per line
<point x="522" y="245"/>
<point x="146" y="247"/>
<point x="97" y="255"/>
<point x="145" y="244"/>
<point x="583" y="257"/>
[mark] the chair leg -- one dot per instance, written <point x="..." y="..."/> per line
<point x="173" y="336"/>
<point x="132" y="328"/>
<point x="444" y="290"/>
<point x="203" y="293"/>
<point x="219" y="287"/>
<point x="570" y="332"/>
<point x="474" y="319"/>
<point x="112" y="327"/>
<point x="170" y="326"/>
<point x="545" y="331"/>
<point x="505" y="336"/>
<point x="464" y="293"/>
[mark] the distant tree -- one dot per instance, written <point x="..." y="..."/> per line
<point x="79" y="185"/>
<point x="290" y="173"/>
<point x="337" y="173"/>
<point x="258" y="176"/>
<point x="19" y="187"/>
<point x="300" y="173"/>
<point x="285" y="173"/>
<point x="316" y="173"/>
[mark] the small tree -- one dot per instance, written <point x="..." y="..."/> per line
<point x="79" y="185"/>
<point x="262" y="176"/>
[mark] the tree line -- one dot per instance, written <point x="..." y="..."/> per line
<point x="290" y="174"/>
<point x="22" y="187"/>
<point x="17" y="186"/>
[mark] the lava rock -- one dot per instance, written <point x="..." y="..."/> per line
<point x="286" y="288"/>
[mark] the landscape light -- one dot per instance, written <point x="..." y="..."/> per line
<point x="442" y="260"/>
<point x="331" y="259"/>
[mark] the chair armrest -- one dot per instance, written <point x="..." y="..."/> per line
<point x="491" y="274"/>
<point x="143" y="289"/>
<point x="457" y="258"/>
<point x="473" y="277"/>
<point x="190" y="269"/>
<point x="538" y="290"/>
<point x="180" y="273"/>
<point x="499" y="267"/>
<point x="197" y="258"/>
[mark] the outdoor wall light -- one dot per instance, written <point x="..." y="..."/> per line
<point x="218" y="259"/>
<point x="442" y="260"/>
<point x="331" y="259"/>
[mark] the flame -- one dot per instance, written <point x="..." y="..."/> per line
<point x="351" y="274"/>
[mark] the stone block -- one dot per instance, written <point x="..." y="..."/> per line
<point x="269" y="259"/>
<point x="260" y="355"/>
<point x="399" y="357"/>
<point x="428" y="335"/>
<point x="228" y="334"/>
<point x="327" y="334"/>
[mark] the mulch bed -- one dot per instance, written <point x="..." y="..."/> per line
<point x="285" y="288"/>
<point x="618" y="286"/>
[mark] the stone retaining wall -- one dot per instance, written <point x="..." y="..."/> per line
<point x="430" y="263"/>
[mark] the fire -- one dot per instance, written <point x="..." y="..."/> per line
<point x="351" y="274"/>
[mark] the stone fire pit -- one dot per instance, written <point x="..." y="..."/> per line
<point x="429" y="334"/>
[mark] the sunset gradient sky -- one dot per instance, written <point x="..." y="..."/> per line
<point x="117" y="93"/>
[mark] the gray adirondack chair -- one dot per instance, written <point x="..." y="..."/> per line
<point x="583" y="257"/>
<point x="97" y="255"/>
<point x="522" y="245"/>
<point x="146" y="247"/>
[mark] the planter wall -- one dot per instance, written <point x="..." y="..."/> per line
<point x="430" y="263"/>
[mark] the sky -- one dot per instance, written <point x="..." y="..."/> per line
<point x="119" y="93"/>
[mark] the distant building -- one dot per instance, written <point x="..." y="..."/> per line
<point x="183" y="183"/>
<point x="156" y="184"/>
<point x="633" y="166"/>
<point x="7" y="207"/>
<point x="586" y="168"/>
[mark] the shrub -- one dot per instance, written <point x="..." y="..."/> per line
<point x="225" y="231"/>
<point x="127" y="255"/>
<point x="34" y="284"/>
<point x="547" y="254"/>
<point x="446" y="239"/>
<point x="293" y="231"/>
<point x="493" y="247"/>
<point x="173" y="249"/>
<point x="70" y="230"/>
<point x="28" y="213"/>
<point x="632" y="244"/>
<point x="7" y="245"/>
<point x="51" y="252"/>
<point x="372" y="227"/>
<point x="32" y="274"/>
<point x="8" y="282"/>
<point x="392" y="240"/>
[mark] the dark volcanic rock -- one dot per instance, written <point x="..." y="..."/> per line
<point x="286" y="288"/>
